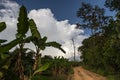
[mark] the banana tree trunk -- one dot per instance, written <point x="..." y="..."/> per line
<point x="19" y="67"/>
<point x="36" y="63"/>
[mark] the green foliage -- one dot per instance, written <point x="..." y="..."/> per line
<point x="5" y="64"/>
<point x="59" y="69"/>
<point x="4" y="48"/>
<point x="7" y="47"/>
<point x="100" y="52"/>
<point x="42" y="68"/>
<point x="59" y="77"/>
<point x="33" y="28"/>
<point x="92" y="17"/>
<point x="114" y="76"/>
<point x="41" y="77"/>
<point x="11" y="75"/>
<point x="104" y="55"/>
<point x="22" y="29"/>
<point x="40" y="44"/>
<point x="23" y="24"/>
<point x="113" y="5"/>
<point x="92" y="52"/>
<point x="2" y="26"/>
<point x="56" y="45"/>
<point x="60" y="66"/>
<point x="2" y="41"/>
<point x="19" y="64"/>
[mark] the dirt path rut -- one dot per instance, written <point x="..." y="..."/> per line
<point x="82" y="74"/>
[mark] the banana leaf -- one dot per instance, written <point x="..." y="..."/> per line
<point x="23" y="24"/>
<point x="2" y="26"/>
<point x="2" y="41"/>
<point x="10" y="45"/>
<point x="55" y="45"/>
<point x="33" y="28"/>
<point x="42" y="68"/>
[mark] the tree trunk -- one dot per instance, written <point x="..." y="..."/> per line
<point x="19" y="67"/>
<point x="37" y="58"/>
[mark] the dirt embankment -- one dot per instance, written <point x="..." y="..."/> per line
<point x="82" y="74"/>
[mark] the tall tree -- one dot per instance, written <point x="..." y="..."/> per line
<point x="92" y="17"/>
<point x="113" y="4"/>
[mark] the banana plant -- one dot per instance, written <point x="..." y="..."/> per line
<point x="5" y="59"/>
<point x="40" y="43"/>
<point x="22" y="29"/>
<point x="6" y="47"/>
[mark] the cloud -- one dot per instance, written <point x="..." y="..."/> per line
<point x="8" y="13"/>
<point x="59" y="31"/>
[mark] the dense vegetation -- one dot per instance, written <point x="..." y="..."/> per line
<point x="101" y="51"/>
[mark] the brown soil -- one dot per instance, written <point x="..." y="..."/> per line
<point x="82" y="74"/>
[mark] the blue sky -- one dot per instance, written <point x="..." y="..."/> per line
<point x="62" y="9"/>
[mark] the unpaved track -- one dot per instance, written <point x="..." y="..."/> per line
<point x="82" y="74"/>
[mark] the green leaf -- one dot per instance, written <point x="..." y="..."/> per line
<point x="2" y="40"/>
<point x="33" y="28"/>
<point x="4" y="56"/>
<point x="6" y="62"/>
<point x="7" y="47"/>
<point x="44" y="39"/>
<point x="28" y="39"/>
<point x="42" y="47"/>
<point x="56" y="45"/>
<point x="42" y="68"/>
<point x="2" y="26"/>
<point x="41" y="43"/>
<point x="23" y="24"/>
<point x="5" y="67"/>
<point x="1" y="75"/>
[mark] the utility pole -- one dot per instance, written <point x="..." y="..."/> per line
<point x="73" y="47"/>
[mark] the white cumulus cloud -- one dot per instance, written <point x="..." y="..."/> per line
<point x="59" y="31"/>
<point x="8" y="13"/>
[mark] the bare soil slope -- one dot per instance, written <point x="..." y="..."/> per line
<point x="82" y="74"/>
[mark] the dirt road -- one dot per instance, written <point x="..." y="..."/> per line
<point x="82" y="74"/>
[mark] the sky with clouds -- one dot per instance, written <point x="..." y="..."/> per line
<point x="61" y="31"/>
<point x="62" y="9"/>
